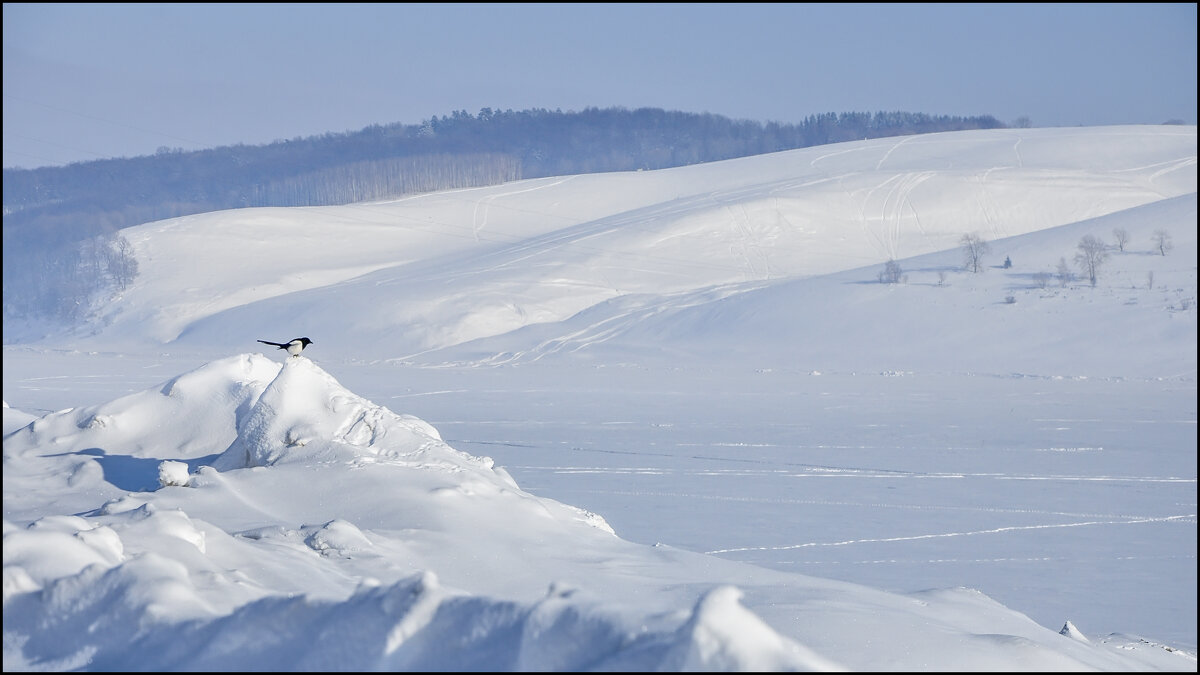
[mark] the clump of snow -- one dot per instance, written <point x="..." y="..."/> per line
<point x="173" y="473"/>
<point x="337" y="536"/>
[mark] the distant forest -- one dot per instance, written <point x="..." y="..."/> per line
<point x="62" y="253"/>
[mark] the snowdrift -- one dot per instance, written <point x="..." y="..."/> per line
<point x="249" y="515"/>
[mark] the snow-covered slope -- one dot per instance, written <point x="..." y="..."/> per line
<point x="434" y="271"/>
<point x="939" y="318"/>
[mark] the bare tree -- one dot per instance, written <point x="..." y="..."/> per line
<point x="974" y="248"/>
<point x="891" y="273"/>
<point x="1091" y="256"/>
<point x="1042" y="279"/>
<point x="1162" y="241"/>
<point x="1064" y="273"/>
<point x="1122" y="237"/>
<point x="121" y="265"/>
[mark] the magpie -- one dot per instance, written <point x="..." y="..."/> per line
<point x="294" y="347"/>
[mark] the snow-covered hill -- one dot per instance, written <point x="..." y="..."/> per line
<point x="434" y="271"/>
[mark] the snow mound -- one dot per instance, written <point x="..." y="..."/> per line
<point x="723" y="635"/>
<point x="146" y="581"/>
<point x="15" y="419"/>
<point x="412" y="625"/>
<point x="1072" y="632"/>
<point x="203" y="407"/>
<point x="305" y="415"/>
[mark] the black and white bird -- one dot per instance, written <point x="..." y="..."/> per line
<point x="294" y="347"/>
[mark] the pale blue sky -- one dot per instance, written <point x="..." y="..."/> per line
<point x="88" y="81"/>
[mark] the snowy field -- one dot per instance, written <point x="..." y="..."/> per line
<point x="801" y="467"/>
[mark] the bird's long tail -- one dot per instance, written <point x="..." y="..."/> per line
<point x="273" y="344"/>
